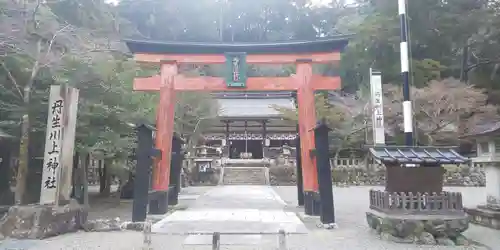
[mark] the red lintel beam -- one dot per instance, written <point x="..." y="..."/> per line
<point x="151" y="83"/>
<point x="326" y="57"/>
<point x="253" y="83"/>
<point x="325" y="82"/>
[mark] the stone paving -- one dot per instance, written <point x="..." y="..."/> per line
<point x="235" y="210"/>
<point x="350" y="205"/>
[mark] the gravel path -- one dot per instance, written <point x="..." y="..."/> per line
<point x="353" y="233"/>
<point x="351" y="203"/>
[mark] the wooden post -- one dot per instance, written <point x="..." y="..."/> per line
<point x="141" y="181"/>
<point x="298" y="163"/>
<point x="216" y="241"/>
<point x="176" y="162"/>
<point x="282" y="240"/>
<point x="307" y="118"/>
<point x="164" y="135"/>
<point x="327" y="214"/>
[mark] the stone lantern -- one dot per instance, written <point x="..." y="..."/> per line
<point x="488" y="155"/>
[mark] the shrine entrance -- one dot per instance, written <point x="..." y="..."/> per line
<point x="236" y="57"/>
<point x="245" y="149"/>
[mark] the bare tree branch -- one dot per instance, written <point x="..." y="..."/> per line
<point x="12" y="79"/>
<point x="442" y="108"/>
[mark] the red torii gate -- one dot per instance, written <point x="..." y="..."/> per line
<point x="169" y="55"/>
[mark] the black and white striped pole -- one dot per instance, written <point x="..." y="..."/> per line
<point x="405" y="68"/>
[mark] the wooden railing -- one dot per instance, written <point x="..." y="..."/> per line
<point x="416" y="203"/>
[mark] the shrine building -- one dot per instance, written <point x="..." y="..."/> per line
<point x="249" y="126"/>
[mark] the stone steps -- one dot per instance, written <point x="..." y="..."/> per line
<point x="244" y="175"/>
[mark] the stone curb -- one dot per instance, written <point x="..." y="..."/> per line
<point x="109" y="225"/>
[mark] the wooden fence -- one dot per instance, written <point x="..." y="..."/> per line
<point x="416" y="203"/>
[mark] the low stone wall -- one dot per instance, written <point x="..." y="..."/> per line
<point x="209" y="178"/>
<point x="282" y="176"/>
<point x="484" y="216"/>
<point x="354" y="176"/>
<point x="358" y="176"/>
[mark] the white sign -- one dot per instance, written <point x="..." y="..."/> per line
<point x="53" y="144"/>
<point x="377" y="107"/>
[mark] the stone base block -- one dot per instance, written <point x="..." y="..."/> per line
<point x="42" y="221"/>
<point x="482" y="215"/>
<point x="419" y="230"/>
<point x="105" y="225"/>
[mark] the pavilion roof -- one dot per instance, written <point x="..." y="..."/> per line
<point x="336" y="43"/>
<point x="417" y="155"/>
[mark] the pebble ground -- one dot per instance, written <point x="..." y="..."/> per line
<point x="352" y="232"/>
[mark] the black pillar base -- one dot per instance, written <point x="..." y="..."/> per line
<point x="175" y="172"/>
<point x="308" y="202"/>
<point x="316" y="204"/>
<point x="158" y="203"/>
<point x="173" y="195"/>
<point x="312" y="203"/>
<point x="301" y="200"/>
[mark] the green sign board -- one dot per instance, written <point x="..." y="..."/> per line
<point x="236" y="68"/>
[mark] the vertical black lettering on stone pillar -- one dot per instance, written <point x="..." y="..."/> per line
<point x="175" y="170"/>
<point x="298" y="164"/>
<point x="327" y="214"/>
<point x="142" y="172"/>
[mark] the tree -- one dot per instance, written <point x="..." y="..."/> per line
<point x="195" y="112"/>
<point x="77" y="42"/>
<point x="438" y="31"/>
<point x="345" y="114"/>
<point x="439" y="109"/>
<point x="46" y="44"/>
<point x="54" y="43"/>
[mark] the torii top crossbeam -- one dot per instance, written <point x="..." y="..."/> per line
<point x="301" y="53"/>
<point x="318" y="51"/>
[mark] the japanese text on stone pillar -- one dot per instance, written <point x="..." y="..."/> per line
<point x="53" y="147"/>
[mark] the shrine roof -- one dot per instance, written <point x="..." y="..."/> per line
<point x="336" y="43"/>
<point x="252" y="107"/>
<point x="417" y="155"/>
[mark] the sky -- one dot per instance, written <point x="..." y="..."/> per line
<point x="320" y="1"/>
